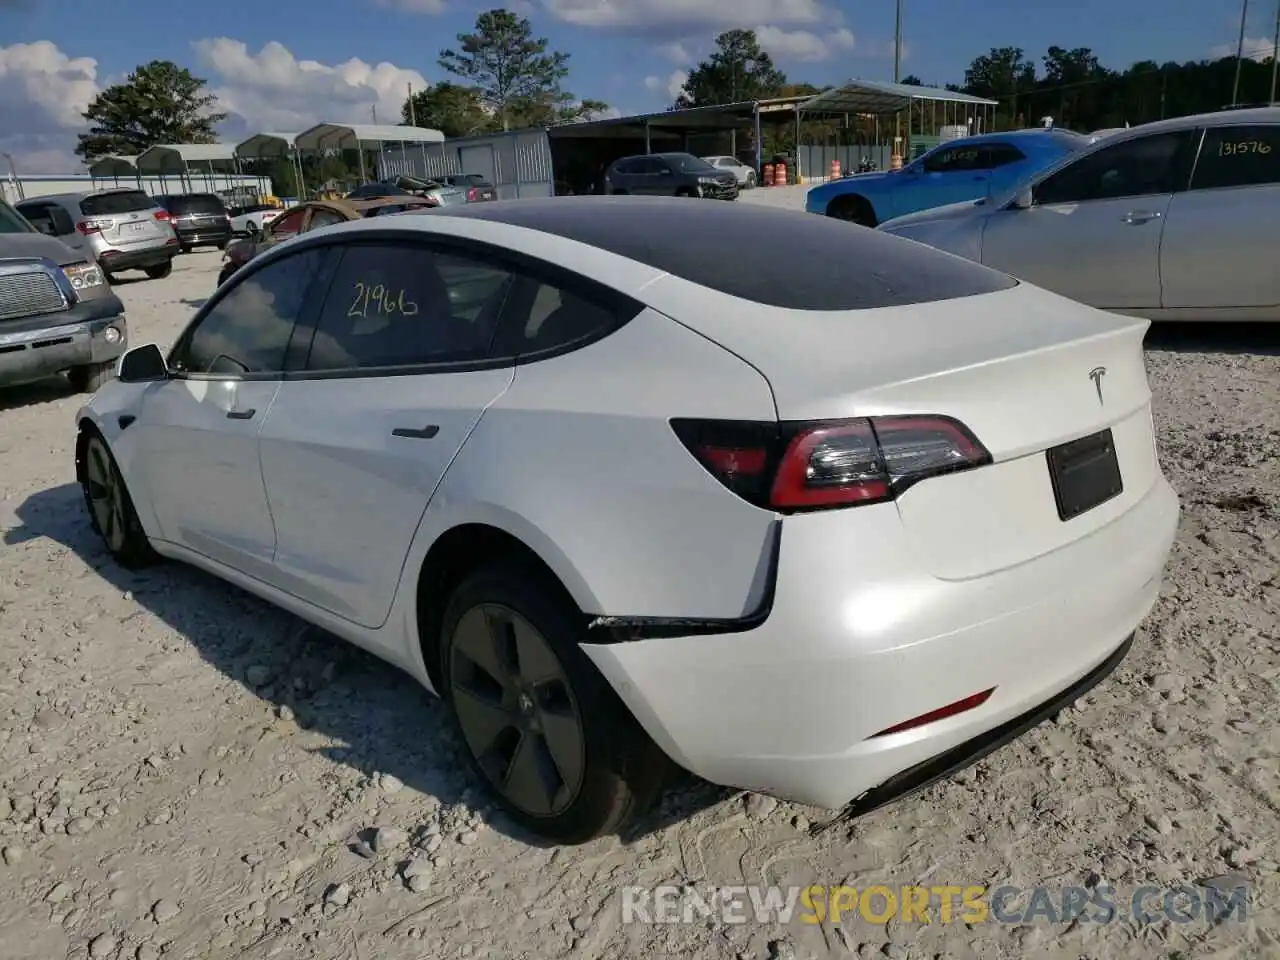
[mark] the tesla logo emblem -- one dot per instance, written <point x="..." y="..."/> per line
<point x="1096" y="375"/>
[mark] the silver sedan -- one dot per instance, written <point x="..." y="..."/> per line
<point x="1174" y="220"/>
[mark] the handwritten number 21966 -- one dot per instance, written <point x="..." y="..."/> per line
<point x="381" y="300"/>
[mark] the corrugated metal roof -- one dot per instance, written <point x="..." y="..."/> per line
<point x="351" y="136"/>
<point x="881" y="97"/>
<point x="269" y="144"/>
<point x="176" y="157"/>
<point x="114" y="165"/>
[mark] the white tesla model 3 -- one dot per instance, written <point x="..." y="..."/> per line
<point x="825" y="519"/>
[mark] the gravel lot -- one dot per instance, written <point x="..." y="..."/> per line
<point x="187" y="772"/>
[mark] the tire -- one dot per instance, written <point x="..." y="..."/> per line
<point x="751" y="180"/>
<point x="686" y="192"/>
<point x="854" y="209"/>
<point x="252" y="229"/>
<point x="90" y="377"/>
<point x="605" y="769"/>
<point x="111" y="512"/>
<point x="225" y="275"/>
<point x="619" y="193"/>
<point x="159" y="272"/>
<point x="111" y="278"/>
<point x="223" y="244"/>
<point x="184" y="248"/>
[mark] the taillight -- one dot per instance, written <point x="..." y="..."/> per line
<point x="472" y="193"/>
<point x="87" y="227"/>
<point x="793" y="467"/>
<point x="162" y="216"/>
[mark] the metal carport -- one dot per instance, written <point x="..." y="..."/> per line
<point x="274" y="145"/>
<point x="113" y="167"/>
<point x="168" y="159"/>
<point x="342" y="136"/>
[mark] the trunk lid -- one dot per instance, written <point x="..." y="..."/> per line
<point x="1020" y="368"/>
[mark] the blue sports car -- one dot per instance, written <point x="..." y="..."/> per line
<point x="952" y="172"/>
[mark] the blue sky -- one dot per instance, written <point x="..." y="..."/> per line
<point x="277" y="62"/>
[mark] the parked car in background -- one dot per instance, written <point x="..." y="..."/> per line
<point x="251" y="219"/>
<point x="312" y="216"/>
<point x="956" y="170"/>
<point x="200" y="219"/>
<point x="916" y="524"/>
<point x="670" y="175"/>
<point x="443" y="194"/>
<point x="119" y="229"/>
<point x="746" y="175"/>
<point x="57" y="312"/>
<point x="478" y="189"/>
<point x="1174" y="220"/>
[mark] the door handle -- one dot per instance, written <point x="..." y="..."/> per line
<point x="413" y="433"/>
<point x="1140" y="216"/>
<point x="241" y="414"/>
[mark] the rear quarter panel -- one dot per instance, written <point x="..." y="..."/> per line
<point x="579" y="461"/>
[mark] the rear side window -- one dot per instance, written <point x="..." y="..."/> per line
<point x="106" y="204"/>
<point x="196" y="203"/>
<point x="624" y="167"/>
<point x="11" y="221"/>
<point x="396" y="305"/>
<point x="1001" y="154"/>
<point x="1238" y="157"/>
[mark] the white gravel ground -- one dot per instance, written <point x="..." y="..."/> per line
<point x="185" y="772"/>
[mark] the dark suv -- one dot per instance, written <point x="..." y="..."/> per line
<point x="200" y="219"/>
<point x="670" y="175"/>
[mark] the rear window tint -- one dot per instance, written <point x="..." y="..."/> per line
<point x="196" y="203"/>
<point x="105" y="204"/>
<point x="781" y="258"/>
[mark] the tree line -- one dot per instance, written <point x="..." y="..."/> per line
<point x="506" y="78"/>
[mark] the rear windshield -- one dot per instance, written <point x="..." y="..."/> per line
<point x="105" y="204"/>
<point x="687" y="163"/>
<point x="11" y="221"/>
<point x="195" y="203"/>
<point x="796" y="261"/>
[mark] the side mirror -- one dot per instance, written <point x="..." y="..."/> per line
<point x="144" y="364"/>
<point x="1022" y="200"/>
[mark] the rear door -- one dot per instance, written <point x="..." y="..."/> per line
<point x="1093" y="231"/>
<point x="949" y="175"/>
<point x="125" y="219"/>
<point x="396" y="379"/>
<point x="1219" y="245"/>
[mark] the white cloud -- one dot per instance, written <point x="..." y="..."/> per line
<point x="1255" y="48"/>
<point x="43" y="93"/>
<point x="659" y="16"/>
<point x="804" y="45"/>
<point x="274" y="90"/>
<point x="672" y="84"/>
<point x="430" y="7"/>
<point x="676" y="52"/>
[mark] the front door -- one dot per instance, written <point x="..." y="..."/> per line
<point x="951" y="174"/>
<point x="199" y="430"/>
<point x="1219" y="242"/>
<point x="355" y="446"/>
<point x="1094" y="228"/>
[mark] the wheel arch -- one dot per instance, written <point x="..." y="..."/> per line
<point x="852" y="200"/>
<point x="468" y="545"/>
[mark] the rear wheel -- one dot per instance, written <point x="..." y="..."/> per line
<point x="160" y="271"/>
<point x="561" y="752"/>
<point x="751" y="180"/>
<point x="854" y="209"/>
<point x="90" y="377"/>
<point x="686" y="192"/>
<point x="185" y="248"/>
<point x="111" y="511"/>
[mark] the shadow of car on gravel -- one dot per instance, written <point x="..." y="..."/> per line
<point x="48" y="390"/>
<point x="384" y="722"/>
<point x="1183" y="337"/>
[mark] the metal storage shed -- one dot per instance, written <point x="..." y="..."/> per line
<point x="341" y="136"/>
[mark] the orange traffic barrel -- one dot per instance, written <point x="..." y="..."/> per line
<point x="768" y="174"/>
<point x="780" y="175"/>
<point x="835" y="169"/>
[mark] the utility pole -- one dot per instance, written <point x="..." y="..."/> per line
<point x="1275" y="55"/>
<point x="413" y="120"/>
<point x="897" y="78"/>
<point x="1235" y="88"/>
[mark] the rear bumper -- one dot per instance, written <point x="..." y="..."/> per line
<point x="203" y="236"/>
<point x="37" y="348"/>
<point x="116" y="259"/>
<point x="860" y="640"/>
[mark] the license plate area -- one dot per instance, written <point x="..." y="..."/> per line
<point x="1085" y="473"/>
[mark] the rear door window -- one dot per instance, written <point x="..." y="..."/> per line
<point x="1142" y="167"/>
<point x="1001" y="154"/>
<point x="109" y="204"/>
<point x="1244" y="156"/>
<point x="43" y="217"/>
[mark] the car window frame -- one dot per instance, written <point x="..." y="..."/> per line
<point x="1199" y="155"/>
<point x="1181" y="173"/>
<point x="523" y="268"/>
<point x="305" y="321"/>
<point x="978" y="148"/>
